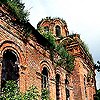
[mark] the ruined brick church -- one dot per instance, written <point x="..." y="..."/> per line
<point x="25" y="58"/>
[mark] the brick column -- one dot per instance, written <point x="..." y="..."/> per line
<point x="22" y="80"/>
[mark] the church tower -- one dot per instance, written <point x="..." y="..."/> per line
<point x="55" y="25"/>
<point x="80" y="83"/>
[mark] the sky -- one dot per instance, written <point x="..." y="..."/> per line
<point x="81" y="16"/>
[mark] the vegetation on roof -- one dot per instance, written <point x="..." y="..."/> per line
<point x="65" y="60"/>
<point x="84" y="46"/>
<point x="49" y="19"/>
<point x="87" y="51"/>
<point x="17" y="9"/>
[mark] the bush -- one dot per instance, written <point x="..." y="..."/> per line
<point x="11" y="92"/>
<point x="45" y="94"/>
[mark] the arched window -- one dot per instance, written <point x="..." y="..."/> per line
<point x="66" y="89"/>
<point x="58" y="31"/>
<point x="44" y="78"/>
<point x="46" y="29"/>
<point x="10" y="70"/>
<point x="57" y="86"/>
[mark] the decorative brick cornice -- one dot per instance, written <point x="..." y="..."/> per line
<point x="75" y="47"/>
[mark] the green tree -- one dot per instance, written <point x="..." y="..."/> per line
<point x="97" y="66"/>
<point x="97" y="95"/>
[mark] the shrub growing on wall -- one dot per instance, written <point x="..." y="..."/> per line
<point x="11" y="92"/>
<point x="66" y="60"/>
<point x="45" y="94"/>
<point x="16" y="7"/>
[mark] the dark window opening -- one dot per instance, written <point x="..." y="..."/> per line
<point x="67" y="94"/>
<point x="57" y="86"/>
<point x="66" y="89"/>
<point x="66" y="81"/>
<point x="45" y="78"/>
<point x="46" y="29"/>
<point x="58" y="31"/>
<point x="85" y="86"/>
<point x="10" y="70"/>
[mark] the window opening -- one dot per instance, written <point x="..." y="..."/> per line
<point x="57" y="86"/>
<point x="46" y="29"/>
<point x="45" y="78"/>
<point x="58" y="31"/>
<point x="10" y="70"/>
<point x="85" y="86"/>
<point x="66" y="89"/>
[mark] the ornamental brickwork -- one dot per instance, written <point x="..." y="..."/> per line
<point x="25" y="58"/>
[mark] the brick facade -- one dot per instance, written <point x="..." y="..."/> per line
<point x="32" y="56"/>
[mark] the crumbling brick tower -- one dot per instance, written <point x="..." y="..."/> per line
<point x="81" y="82"/>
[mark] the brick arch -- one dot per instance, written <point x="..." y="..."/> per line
<point x="63" y="26"/>
<point x="58" y="20"/>
<point x="45" y="23"/>
<point x="9" y="45"/>
<point x="48" y="66"/>
<point x="58" y="71"/>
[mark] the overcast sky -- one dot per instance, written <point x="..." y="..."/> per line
<point x="81" y="16"/>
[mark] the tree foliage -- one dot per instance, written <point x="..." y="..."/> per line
<point x="97" y="95"/>
<point x="97" y="66"/>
